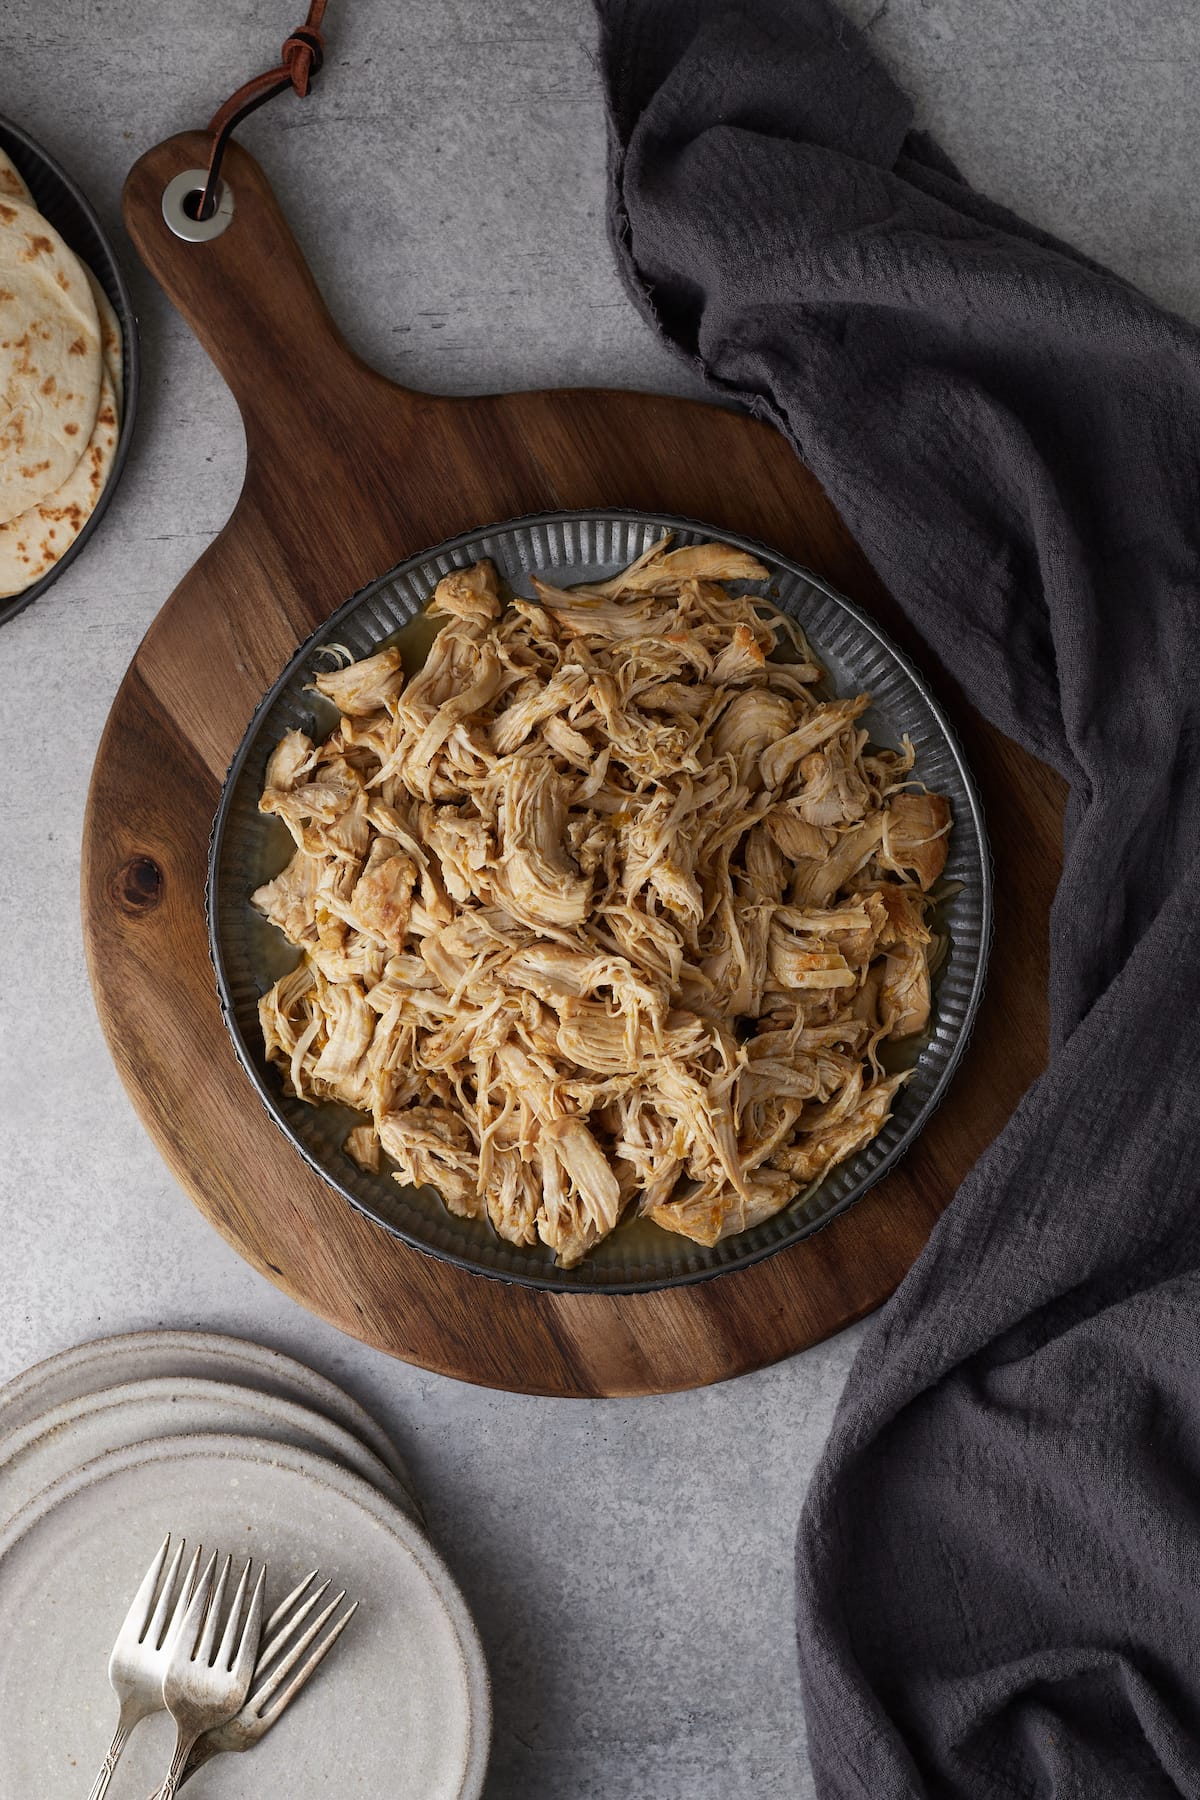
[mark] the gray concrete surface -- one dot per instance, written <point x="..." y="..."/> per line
<point x="629" y="1563"/>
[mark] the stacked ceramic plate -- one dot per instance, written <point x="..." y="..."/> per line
<point x="105" y="1449"/>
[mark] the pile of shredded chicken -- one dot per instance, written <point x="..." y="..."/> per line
<point x="602" y="909"/>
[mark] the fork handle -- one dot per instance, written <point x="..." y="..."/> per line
<point x="197" y="1757"/>
<point x="125" y="1725"/>
<point x="174" y="1775"/>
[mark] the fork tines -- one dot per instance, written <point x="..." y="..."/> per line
<point x="239" y="1641"/>
<point x="284" y="1648"/>
<point x="161" y="1601"/>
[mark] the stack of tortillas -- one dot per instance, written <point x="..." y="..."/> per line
<point x="60" y="389"/>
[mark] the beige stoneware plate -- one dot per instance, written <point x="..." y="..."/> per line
<point x="207" y="1355"/>
<point x="59" y="1440"/>
<point x="400" y="1708"/>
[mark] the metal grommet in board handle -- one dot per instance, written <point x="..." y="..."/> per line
<point x="176" y="194"/>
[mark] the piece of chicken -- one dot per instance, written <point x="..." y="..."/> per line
<point x="363" y="1147"/>
<point x="369" y="686"/>
<point x="827" y="722"/>
<point x="914" y="836"/>
<point x="292" y="757"/>
<point x="534" y="876"/>
<point x="754" y="719"/>
<point x="290" y="901"/>
<point x="380" y="905"/>
<point x="431" y="1147"/>
<point x="812" y="1155"/>
<point x="904" y="992"/>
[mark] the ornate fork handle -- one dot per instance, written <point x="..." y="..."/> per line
<point x="174" y="1776"/>
<point x="201" y="1752"/>
<point x="107" y="1768"/>
<point x="196" y="1759"/>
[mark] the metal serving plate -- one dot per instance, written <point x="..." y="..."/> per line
<point x="249" y="848"/>
<point x="70" y="213"/>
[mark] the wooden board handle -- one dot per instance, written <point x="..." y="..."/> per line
<point x="251" y="300"/>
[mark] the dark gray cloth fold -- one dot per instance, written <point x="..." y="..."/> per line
<point x="999" y="1555"/>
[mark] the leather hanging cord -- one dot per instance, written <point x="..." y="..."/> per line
<point x="302" y="55"/>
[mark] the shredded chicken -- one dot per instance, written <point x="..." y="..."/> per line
<point x="603" y="908"/>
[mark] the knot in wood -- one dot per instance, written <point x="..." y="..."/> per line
<point x="138" y="885"/>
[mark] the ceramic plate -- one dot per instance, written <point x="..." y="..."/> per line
<point x="78" y="1431"/>
<point x="250" y="847"/>
<point x="206" y="1355"/>
<point x="399" y="1708"/>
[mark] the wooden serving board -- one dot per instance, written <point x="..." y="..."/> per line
<point x="346" y="475"/>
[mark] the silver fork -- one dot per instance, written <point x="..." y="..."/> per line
<point x="206" y="1684"/>
<point x="143" y="1650"/>
<point x="285" y="1644"/>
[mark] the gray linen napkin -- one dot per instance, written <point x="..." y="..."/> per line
<point x="999" y="1559"/>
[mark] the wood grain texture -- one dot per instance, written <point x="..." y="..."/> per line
<point x="346" y="475"/>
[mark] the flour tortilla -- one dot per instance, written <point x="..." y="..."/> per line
<point x="12" y="187"/>
<point x="32" y="543"/>
<point x="50" y="360"/>
<point x="111" y="344"/>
